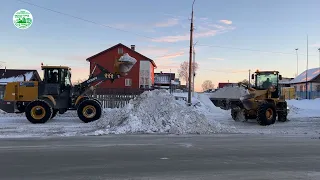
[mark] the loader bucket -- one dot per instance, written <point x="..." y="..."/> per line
<point x="7" y="106"/>
<point x="125" y="63"/>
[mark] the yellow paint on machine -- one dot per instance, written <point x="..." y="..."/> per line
<point x="21" y="91"/>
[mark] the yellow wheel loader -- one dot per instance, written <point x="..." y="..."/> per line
<point x="263" y="101"/>
<point x="42" y="100"/>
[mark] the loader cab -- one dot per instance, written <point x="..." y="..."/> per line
<point x="265" y="79"/>
<point x="57" y="76"/>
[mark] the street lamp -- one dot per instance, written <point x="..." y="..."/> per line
<point x="297" y="62"/>
<point x="319" y="59"/>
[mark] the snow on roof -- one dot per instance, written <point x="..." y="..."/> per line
<point x="311" y="74"/>
<point x="28" y="75"/>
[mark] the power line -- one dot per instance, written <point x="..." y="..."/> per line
<point x="204" y="45"/>
<point x="227" y="71"/>
<point x="244" y="49"/>
<point x="89" y="21"/>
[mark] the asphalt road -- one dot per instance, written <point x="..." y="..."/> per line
<point x="161" y="157"/>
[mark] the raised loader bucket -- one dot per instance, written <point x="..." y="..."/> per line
<point x="125" y="64"/>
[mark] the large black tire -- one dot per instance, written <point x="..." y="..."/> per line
<point x="283" y="112"/>
<point x="266" y="114"/>
<point x="38" y="111"/>
<point x="89" y="110"/>
<point x="54" y="113"/>
<point x="234" y="115"/>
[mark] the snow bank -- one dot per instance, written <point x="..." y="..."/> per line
<point x="155" y="111"/>
<point x="304" y="108"/>
<point x="230" y="92"/>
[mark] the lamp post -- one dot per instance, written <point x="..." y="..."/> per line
<point x="297" y="62"/>
<point x="319" y="59"/>
<point x="307" y="69"/>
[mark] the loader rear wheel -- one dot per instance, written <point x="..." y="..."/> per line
<point x="89" y="110"/>
<point x="266" y="114"/>
<point x="282" y="113"/>
<point x="38" y="111"/>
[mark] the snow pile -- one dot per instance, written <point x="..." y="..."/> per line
<point x="16" y="78"/>
<point x="233" y="92"/>
<point x="304" y="108"/>
<point x="155" y="111"/>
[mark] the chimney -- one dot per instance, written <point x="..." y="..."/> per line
<point x="133" y="47"/>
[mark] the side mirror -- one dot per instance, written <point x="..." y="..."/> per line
<point x="252" y="76"/>
<point x="280" y="77"/>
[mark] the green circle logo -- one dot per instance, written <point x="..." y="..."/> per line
<point x="22" y="19"/>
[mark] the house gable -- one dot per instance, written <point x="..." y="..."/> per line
<point x="123" y="46"/>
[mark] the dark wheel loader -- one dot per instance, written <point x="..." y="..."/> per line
<point x="263" y="101"/>
<point x="42" y="100"/>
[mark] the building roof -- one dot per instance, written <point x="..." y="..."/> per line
<point x="285" y="80"/>
<point x="13" y="75"/>
<point x="311" y="74"/>
<point x="117" y="45"/>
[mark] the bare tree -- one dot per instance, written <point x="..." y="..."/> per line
<point x="183" y="71"/>
<point x="207" y="84"/>
<point x="244" y="82"/>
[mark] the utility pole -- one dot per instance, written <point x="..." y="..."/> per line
<point x="190" y="56"/>
<point x="297" y="62"/>
<point x="249" y="79"/>
<point x="194" y="73"/>
<point x="307" y="71"/>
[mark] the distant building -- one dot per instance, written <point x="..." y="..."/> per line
<point x="221" y="85"/>
<point x="313" y="81"/>
<point x="164" y="80"/>
<point x="140" y="76"/>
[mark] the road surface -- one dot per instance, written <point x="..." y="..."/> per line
<point x="161" y="157"/>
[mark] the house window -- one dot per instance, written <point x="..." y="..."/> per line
<point x="301" y="87"/>
<point x="318" y="88"/>
<point x="128" y="82"/>
<point x="120" y="51"/>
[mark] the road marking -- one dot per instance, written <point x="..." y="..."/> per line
<point x="164" y="158"/>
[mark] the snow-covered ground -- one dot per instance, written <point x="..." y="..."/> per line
<point x="158" y="112"/>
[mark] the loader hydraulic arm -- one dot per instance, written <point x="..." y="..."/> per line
<point x="96" y="80"/>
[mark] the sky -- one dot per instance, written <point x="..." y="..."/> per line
<point x="231" y="37"/>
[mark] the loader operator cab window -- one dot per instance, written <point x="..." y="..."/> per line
<point x="264" y="81"/>
<point x="53" y="75"/>
<point x="65" y="79"/>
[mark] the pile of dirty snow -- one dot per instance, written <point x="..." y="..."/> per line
<point x="155" y="111"/>
<point x="232" y="92"/>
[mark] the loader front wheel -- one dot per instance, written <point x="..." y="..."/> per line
<point x="54" y="113"/>
<point x="234" y="115"/>
<point x="283" y="113"/>
<point x="89" y="110"/>
<point x="266" y="114"/>
<point x="38" y="111"/>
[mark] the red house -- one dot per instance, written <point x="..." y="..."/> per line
<point x="140" y="76"/>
